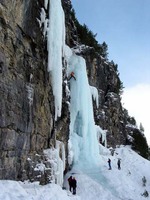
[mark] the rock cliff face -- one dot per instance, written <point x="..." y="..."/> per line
<point x="109" y="115"/>
<point x="27" y="125"/>
<point x="26" y="96"/>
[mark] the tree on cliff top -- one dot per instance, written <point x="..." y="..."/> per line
<point x="87" y="37"/>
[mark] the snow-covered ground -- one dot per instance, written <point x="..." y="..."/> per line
<point x="93" y="182"/>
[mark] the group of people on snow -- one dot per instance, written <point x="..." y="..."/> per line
<point x="118" y="163"/>
<point x="72" y="184"/>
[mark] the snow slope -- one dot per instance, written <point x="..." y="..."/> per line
<point x="94" y="182"/>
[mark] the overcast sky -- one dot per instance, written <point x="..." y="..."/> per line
<point x="125" y="26"/>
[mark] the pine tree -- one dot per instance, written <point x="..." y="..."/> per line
<point x="141" y="127"/>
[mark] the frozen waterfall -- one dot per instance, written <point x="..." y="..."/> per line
<point x="83" y="143"/>
<point x="84" y="135"/>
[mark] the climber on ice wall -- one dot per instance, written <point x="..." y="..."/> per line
<point x="72" y="76"/>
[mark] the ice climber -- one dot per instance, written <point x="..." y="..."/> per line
<point x="109" y="163"/>
<point x="118" y="163"/>
<point x="70" y="183"/>
<point x="72" y="76"/>
<point x="74" y="185"/>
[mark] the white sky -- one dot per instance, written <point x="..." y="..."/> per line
<point x="124" y="26"/>
<point x="96" y="183"/>
<point x="137" y="100"/>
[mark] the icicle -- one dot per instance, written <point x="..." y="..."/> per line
<point x="101" y="134"/>
<point x="56" y="157"/>
<point x="56" y="44"/>
<point x="94" y="93"/>
<point x="46" y="4"/>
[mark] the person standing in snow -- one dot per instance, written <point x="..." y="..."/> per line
<point x="109" y="163"/>
<point x="118" y="163"/>
<point x="74" y="185"/>
<point x="70" y="183"/>
<point x="72" y="76"/>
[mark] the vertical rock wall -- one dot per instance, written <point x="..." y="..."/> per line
<point x="26" y="98"/>
<point x="109" y="115"/>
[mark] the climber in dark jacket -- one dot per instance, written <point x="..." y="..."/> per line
<point x="118" y="163"/>
<point x="74" y="185"/>
<point x="72" y="76"/>
<point x="70" y="183"/>
<point x="109" y="163"/>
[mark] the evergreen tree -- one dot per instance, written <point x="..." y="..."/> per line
<point x="104" y="50"/>
<point x="140" y="143"/>
<point x="141" y="127"/>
